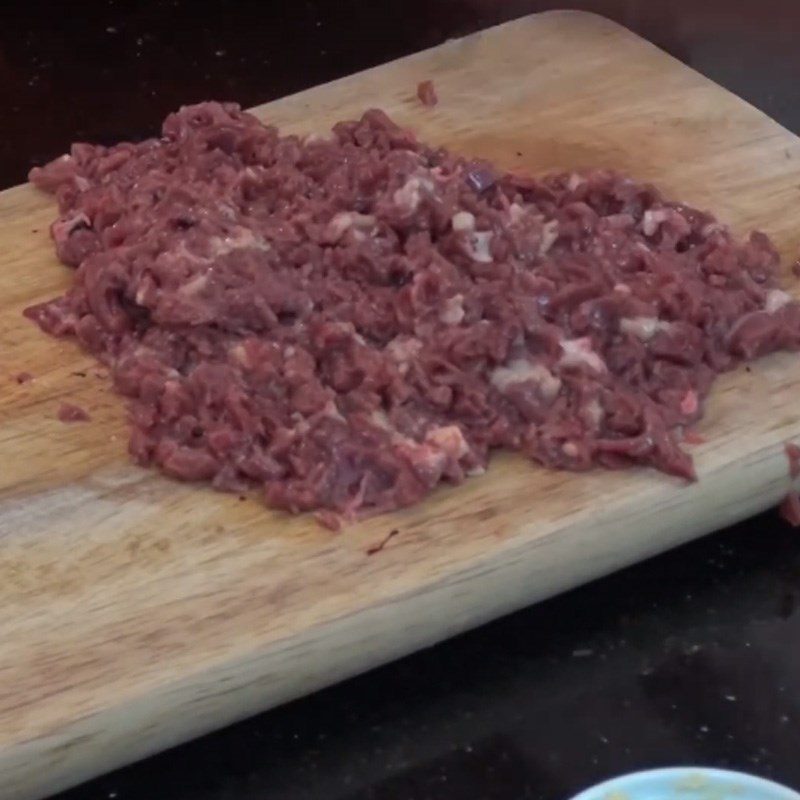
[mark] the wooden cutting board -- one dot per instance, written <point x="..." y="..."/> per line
<point x="136" y="612"/>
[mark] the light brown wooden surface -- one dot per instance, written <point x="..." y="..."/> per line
<point x="136" y="612"/>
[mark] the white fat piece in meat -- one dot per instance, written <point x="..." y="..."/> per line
<point x="644" y="328"/>
<point x="331" y="410"/>
<point x="428" y="462"/>
<point x="242" y="239"/>
<point x="579" y="352"/>
<point x="446" y="440"/>
<point x="652" y="219"/>
<point x="320" y="138"/>
<point x="478" y="246"/>
<point x="338" y="225"/>
<point x="403" y="350"/>
<point x="181" y="251"/>
<point x="62" y="228"/>
<point x="570" y="449"/>
<point x="463" y="221"/>
<point x="452" y="310"/>
<point x="515" y="213"/>
<point x="449" y="440"/>
<point x="549" y="236"/>
<point x="192" y="287"/>
<point x="776" y="299"/>
<point x="238" y="353"/>
<point x="594" y="413"/>
<point x="301" y="424"/>
<point x="619" y="222"/>
<point x="710" y="228"/>
<point x="575" y="180"/>
<point x="430" y="457"/>
<point x="520" y="371"/>
<point x="408" y="196"/>
<point x="380" y="420"/>
<point x="227" y="211"/>
<point x="549" y="233"/>
<point x="345" y="220"/>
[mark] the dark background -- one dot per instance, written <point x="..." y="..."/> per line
<point x="693" y="657"/>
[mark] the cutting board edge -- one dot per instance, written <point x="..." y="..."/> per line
<point x="492" y="586"/>
<point x="420" y="55"/>
<point x="28" y="193"/>
<point x="588" y="17"/>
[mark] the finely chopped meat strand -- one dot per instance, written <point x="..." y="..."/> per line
<point x="349" y="321"/>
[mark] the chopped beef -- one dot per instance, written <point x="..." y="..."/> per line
<point x="67" y="412"/>
<point x="426" y="92"/>
<point x="790" y="509"/>
<point x="793" y="455"/>
<point x="348" y="322"/>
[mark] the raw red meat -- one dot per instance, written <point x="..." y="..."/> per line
<point x="426" y="92"/>
<point x="67" y="412"/>
<point x="793" y="454"/>
<point x="790" y="509"/>
<point x="348" y="322"/>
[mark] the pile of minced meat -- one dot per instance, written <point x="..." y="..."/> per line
<point x="348" y="321"/>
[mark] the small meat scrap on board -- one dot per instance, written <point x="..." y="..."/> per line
<point x="790" y="509"/>
<point x="23" y="377"/>
<point x="347" y="322"/>
<point x="691" y="436"/>
<point x="793" y="455"/>
<point x="67" y="412"/>
<point x="426" y="92"/>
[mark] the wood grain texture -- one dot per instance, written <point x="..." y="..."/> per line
<point x="136" y="612"/>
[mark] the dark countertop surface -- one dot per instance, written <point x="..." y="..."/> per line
<point x="689" y="658"/>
